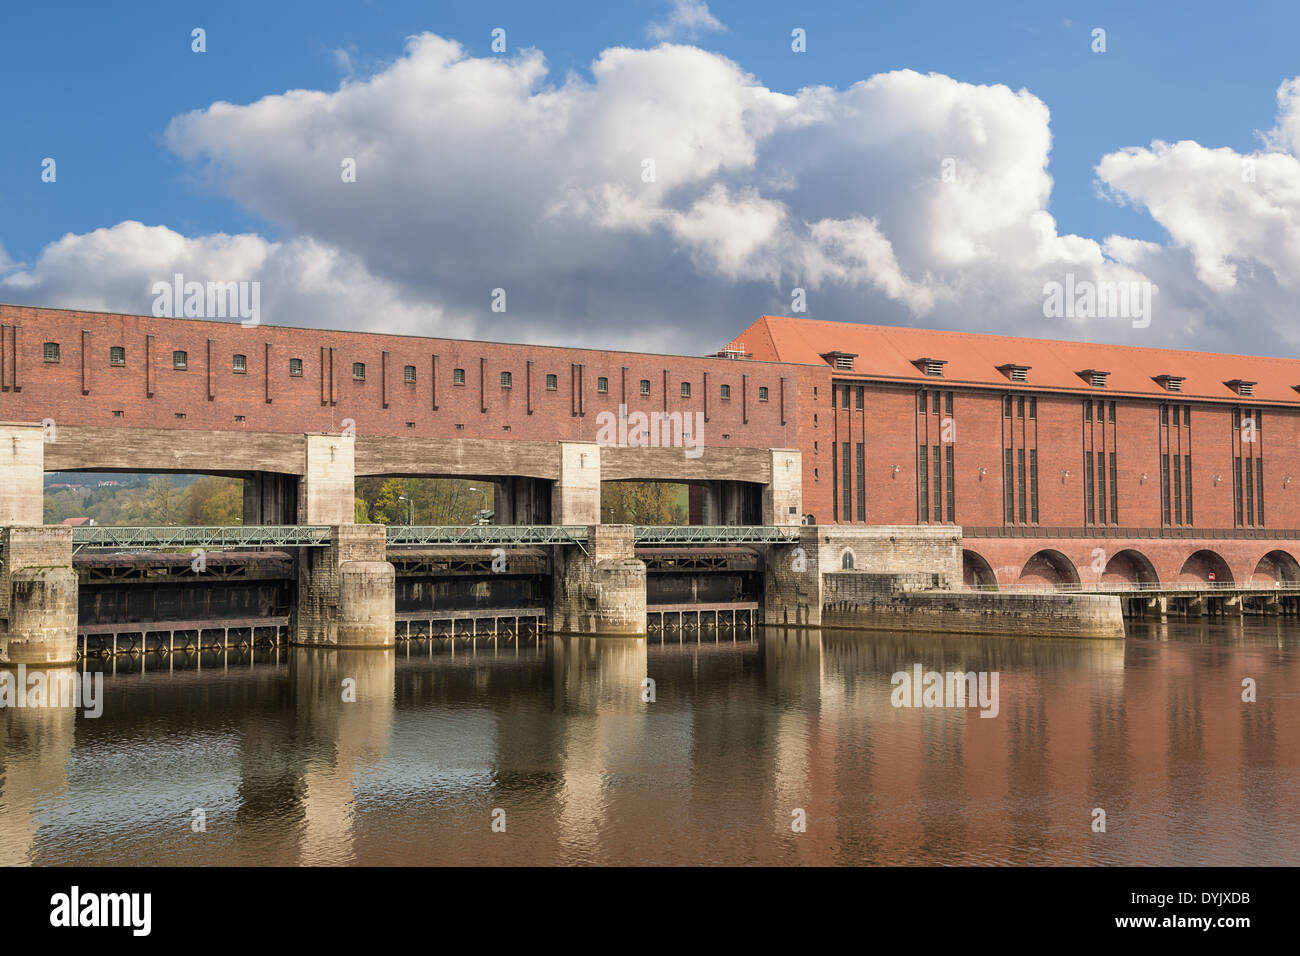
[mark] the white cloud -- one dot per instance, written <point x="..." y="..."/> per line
<point x="479" y="173"/>
<point x="687" y="18"/>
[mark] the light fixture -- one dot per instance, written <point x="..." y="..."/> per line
<point x="897" y="469"/>
<point x="1217" y="479"/>
<point x="1142" y="478"/>
<point x="1286" y="481"/>
<point x="1065" y="473"/>
<point x="982" y="472"/>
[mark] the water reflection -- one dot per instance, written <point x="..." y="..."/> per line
<point x="395" y="757"/>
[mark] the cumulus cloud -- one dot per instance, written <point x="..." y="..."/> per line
<point x="670" y="197"/>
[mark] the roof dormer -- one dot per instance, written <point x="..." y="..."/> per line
<point x="1241" y="387"/>
<point x="1094" y="377"/>
<point x="1170" y="383"/>
<point x="1016" y="373"/>
<point x="930" y="366"/>
<point x="840" y="361"/>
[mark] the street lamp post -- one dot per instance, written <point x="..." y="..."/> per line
<point x="410" y="509"/>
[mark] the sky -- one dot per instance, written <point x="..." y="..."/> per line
<point x="655" y="174"/>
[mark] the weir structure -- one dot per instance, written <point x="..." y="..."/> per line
<point x="988" y="482"/>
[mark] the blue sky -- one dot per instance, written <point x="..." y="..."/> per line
<point x="96" y="86"/>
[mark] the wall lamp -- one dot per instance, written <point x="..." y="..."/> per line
<point x="1142" y="478"/>
<point x="1286" y="481"/>
<point x="982" y="472"/>
<point x="897" y="469"/>
<point x="1065" y="473"/>
<point x="1217" y="479"/>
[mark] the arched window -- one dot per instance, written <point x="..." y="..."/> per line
<point x="846" y="561"/>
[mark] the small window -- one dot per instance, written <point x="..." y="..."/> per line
<point x="505" y="379"/>
<point x="686" y="389"/>
<point x="460" y="427"/>
<point x="117" y="355"/>
<point x="180" y="360"/>
<point x="645" y="386"/>
<point x="602" y="385"/>
<point x="408" y="374"/>
<point x="846" y="561"/>
<point x="295" y="367"/>
<point x="1033" y="407"/>
<point x="726" y="391"/>
<point x="762" y="393"/>
<point x="458" y="376"/>
<point x="359" y="371"/>
<point x="119" y="412"/>
<point x="180" y="414"/>
<point x="51" y="351"/>
<point x="241" y="363"/>
<point x="859" y="396"/>
<point x="410" y="424"/>
<point x="552" y="383"/>
<point x="239" y="418"/>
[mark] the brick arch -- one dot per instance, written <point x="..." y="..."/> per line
<point x="1199" y="565"/>
<point x="1130" y="566"/>
<point x="1275" y="566"/>
<point x="1049" y="566"/>
<point x="976" y="572"/>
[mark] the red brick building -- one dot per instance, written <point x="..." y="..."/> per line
<point x="1060" y="461"/>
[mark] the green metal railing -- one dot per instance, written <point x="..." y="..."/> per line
<point x="716" y="534"/>
<point x="497" y="534"/>
<point x="209" y="538"/>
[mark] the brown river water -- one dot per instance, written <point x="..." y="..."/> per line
<point x="786" y="748"/>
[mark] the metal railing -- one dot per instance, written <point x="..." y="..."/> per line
<point x="207" y="537"/>
<point x="716" y="534"/>
<point x="497" y="534"/>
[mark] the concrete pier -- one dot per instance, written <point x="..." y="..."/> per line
<point x="38" y="591"/>
<point x="346" y="592"/>
<point x="602" y="590"/>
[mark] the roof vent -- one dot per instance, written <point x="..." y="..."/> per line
<point x="1241" y="387"/>
<point x="1093" y="377"/>
<point x="842" y="361"/>
<point x="1016" y="373"/>
<point x="930" y="366"/>
<point x="1171" y="383"/>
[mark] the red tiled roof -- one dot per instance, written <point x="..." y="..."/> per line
<point x="888" y="352"/>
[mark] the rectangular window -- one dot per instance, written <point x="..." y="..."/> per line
<point x="1164" y="489"/>
<point x="1236" y="489"/>
<point x="1087" y="411"/>
<point x="923" y="482"/>
<point x="1187" y="477"/>
<point x="947" y="404"/>
<point x="952" y="493"/>
<point x="847" y="483"/>
<point x="359" y="371"/>
<point x="938" y="479"/>
<point x="920" y="400"/>
<point x="1112" y="412"/>
<point x="1178" y="487"/>
<point x="552" y="383"/>
<point x="686" y="389"/>
<point x="240" y="363"/>
<point x="1164" y="414"/>
<point x="1114" y="492"/>
<point x="1101" y="487"/>
<point x="1259" y="477"/>
<point x="835" y="500"/>
<point x="1250" y="490"/>
<point x="507" y="380"/>
<point x="862" y="485"/>
<point x="1020" y="484"/>
<point x="180" y="359"/>
<point x="1006" y="406"/>
<point x="51" y="351"/>
<point x="726" y="392"/>
<point x="934" y="402"/>
<point x="1008" y="485"/>
<point x="1033" y="485"/>
<point x="645" y="386"/>
<point x="408" y="374"/>
<point x="1177" y="409"/>
<point x="295" y="367"/>
<point x="1088" y="486"/>
<point x="846" y="396"/>
<point x="1033" y="407"/>
<point x="857" y="398"/>
<point x="602" y="385"/>
<point x="117" y="355"/>
<point x="762" y="393"/>
<point x="1020" y="406"/>
<point x="458" y="376"/>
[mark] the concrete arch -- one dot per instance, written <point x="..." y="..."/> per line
<point x="1205" y="566"/>
<point x="1276" y="567"/>
<point x="976" y="572"/>
<point x="1130" y="567"/>
<point x="1049" y="567"/>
